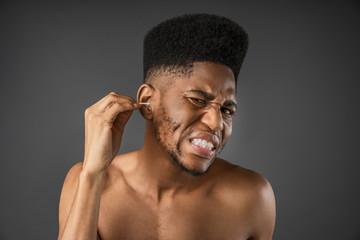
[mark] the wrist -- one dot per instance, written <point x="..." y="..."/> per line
<point x="92" y="175"/>
<point x="93" y="167"/>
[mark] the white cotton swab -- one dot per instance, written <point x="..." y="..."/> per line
<point x="144" y="103"/>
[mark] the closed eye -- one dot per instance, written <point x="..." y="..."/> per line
<point x="197" y="100"/>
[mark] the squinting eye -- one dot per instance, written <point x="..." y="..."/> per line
<point x="227" y="111"/>
<point x="198" y="100"/>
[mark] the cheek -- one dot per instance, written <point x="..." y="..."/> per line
<point x="183" y="113"/>
<point x="227" y="131"/>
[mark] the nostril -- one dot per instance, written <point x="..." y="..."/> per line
<point x="213" y="120"/>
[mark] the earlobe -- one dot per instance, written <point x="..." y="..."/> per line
<point x="144" y="95"/>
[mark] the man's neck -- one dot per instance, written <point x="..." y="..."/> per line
<point x="155" y="175"/>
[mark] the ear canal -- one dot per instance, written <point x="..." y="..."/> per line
<point x="144" y="96"/>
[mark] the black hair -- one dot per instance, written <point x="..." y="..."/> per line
<point x="177" y="43"/>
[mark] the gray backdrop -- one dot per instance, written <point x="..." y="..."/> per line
<point x="298" y="97"/>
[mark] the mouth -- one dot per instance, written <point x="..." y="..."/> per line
<point x="202" y="143"/>
<point x="205" y="145"/>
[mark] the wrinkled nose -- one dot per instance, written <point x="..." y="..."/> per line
<point x="213" y="118"/>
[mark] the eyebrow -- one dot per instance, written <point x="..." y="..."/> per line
<point x="206" y="95"/>
<point x="210" y="96"/>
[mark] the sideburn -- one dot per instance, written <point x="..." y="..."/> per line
<point x="161" y="121"/>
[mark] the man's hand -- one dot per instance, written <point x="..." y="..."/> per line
<point x="80" y="196"/>
<point x="104" y="126"/>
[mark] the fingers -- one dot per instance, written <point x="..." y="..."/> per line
<point x="119" y="110"/>
<point x="114" y="110"/>
<point x="106" y="102"/>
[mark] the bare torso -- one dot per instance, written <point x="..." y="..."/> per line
<point x="221" y="207"/>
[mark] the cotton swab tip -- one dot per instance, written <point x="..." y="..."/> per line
<point x="144" y="103"/>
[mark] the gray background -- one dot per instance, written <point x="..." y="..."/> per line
<point x="298" y="97"/>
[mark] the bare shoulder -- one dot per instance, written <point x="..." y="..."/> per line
<point x="73" y="174"/>
<point x="67" y="193"/>
<point x="121" y="164"/>
<point x="71" y="180"/>
<point x="246" y="192"/>
<point x="238" y="179"/>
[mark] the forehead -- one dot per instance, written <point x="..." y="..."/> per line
<point x="213" y="78"/>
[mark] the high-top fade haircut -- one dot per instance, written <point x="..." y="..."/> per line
<point x="175" y="44"/>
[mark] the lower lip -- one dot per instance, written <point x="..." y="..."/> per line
<point x="202" y="152"/>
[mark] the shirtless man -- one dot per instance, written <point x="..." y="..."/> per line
<point x="174" y="187"/>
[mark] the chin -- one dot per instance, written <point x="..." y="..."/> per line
<point x="196" y="169"/>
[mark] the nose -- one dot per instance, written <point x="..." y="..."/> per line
<point x="213" y="117"/>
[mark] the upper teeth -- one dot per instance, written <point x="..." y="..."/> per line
<point x="202" y="143"/>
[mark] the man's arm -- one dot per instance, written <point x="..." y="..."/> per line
<point x="263" y="210"/>
<point x="80" y="197"/>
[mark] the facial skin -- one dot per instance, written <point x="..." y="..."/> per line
<point x="198" y="107"/>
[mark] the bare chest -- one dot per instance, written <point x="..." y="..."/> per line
<point x="191" y="217"/>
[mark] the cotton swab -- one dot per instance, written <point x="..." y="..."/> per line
<point x="144" y="103"/>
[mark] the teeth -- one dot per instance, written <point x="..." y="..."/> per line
<point x="202" y="143"/>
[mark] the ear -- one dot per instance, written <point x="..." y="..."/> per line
<point x="144" y="94"/>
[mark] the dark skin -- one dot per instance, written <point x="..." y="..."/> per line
<point x="153" y="193"/>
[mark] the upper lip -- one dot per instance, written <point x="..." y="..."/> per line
<point x="209" y="138"/>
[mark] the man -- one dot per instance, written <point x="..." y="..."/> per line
<point x="174" y="187"/>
